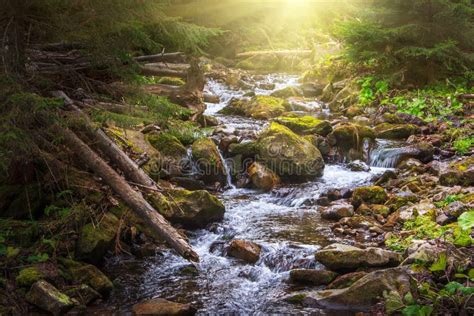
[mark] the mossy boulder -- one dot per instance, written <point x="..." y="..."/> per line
<point x="287" y="92"/>
<point x="97" y="238"/>
<point x="369" y="195"/>
<point x="459" y="172"/>
<point x="261" y="177"/>
<point x="305" y="124"/>
<point x="192" y="209"/>
<point x="348" y="136"/>
<point x="344" y="257"/>
<point x="173" y="155"/>
<point x="363" y="293"/>
<point x="259" y="107"/>
<point x="246" y="149"/>
<point x="401" y="199"/>
<point x="209" y="161"/>
<point x="288" y="155"/>
<point x="83" y="293"/>
<point x="49" y="298"/>
<point x="312" y="277"/>
<point x="88" y="274"/>
<point x="395" y="131"/>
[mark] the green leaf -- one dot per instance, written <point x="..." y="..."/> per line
<point x="417" y="310"/>
<point x="471" y="273"/>
<point x="466" y="220"/>
<point x="12" y="252"/>
<point x="452" y="287"/>
<point x="393" y="301"/>
<point x="439" y="264"/>
<point x="42" y="257"/>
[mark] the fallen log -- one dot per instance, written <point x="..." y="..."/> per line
<point x="132" y="198"/>
<point x="151" y="70"/>
<point x="281" y="53"/>
<point x="177" y="57"/>
<point x="171" y="66"/>
<point x="109" y="147"/>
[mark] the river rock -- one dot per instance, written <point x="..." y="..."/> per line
<point x="259" y="107"/>
<point x="245" y="250"/>
<point x="287" y="92"/>
<point x="266" y="86"/>
<point x="349" y="139"/>
<point x="311" y="89"/>
<point x="290" y="156"/>
<point x="358" y="165"/>
<point x="361" y="120"/>
<point x="83" y="293"/>
<point x="410" y="212"/>
<point x="346" y="280"/>
<point x="90" y="275"/>
<point x="159" y="306"/>
<point x="337" y="211"/>
<point x="459" y="172"/>
<point x="369" y="195"/>
<point x="172" y="153"/>
<point x="96" y="239"/>
<point x="305" y="124"/>
<point x="395" y="131"/>
<point x="261" y="177"/>
<point x="209" y="161"/>
<point x="312" y="277"/>
<point x="49" y="298"/>
<point x="192" y="209"/>
<point x="364" y="293"/>
<point x="345" y="257"/>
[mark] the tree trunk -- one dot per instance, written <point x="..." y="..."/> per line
<point x="152" y="70"/>
<point x="132" y="198"/>
<point x="169" y="57"/>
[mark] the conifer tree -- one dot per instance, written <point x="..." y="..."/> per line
<point x="420" y="40"/>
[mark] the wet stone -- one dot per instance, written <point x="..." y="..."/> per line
<point x="245" y="250"/>
<point x="159" y="306"/>
<point x="312" y="277"/>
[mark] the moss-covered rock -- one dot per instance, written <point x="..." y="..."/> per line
<point x="192" y="209"/>
<point x="246" y="149"/>
<point x="305" y="124"/>
<point x="395" y="131"/>
<point x="346" y="280"/>
<point x="208" y="160"/>
<point x="259" y="107"/>
<point x="97" y="238"/>
<point x="369" y="195"/>
<point x="312" y="277"/>
<point x="49" y="298"/>
<point x="83" y="293"/>
<point x="458" y="173"/>
<point x="173" y="155"/>
<point x="349" y="136"/>
<point x="401" y="199"/>
<point x="287" y="92"/>
<point x="90" y="275"/>
<point x="341" y="257"/>
<point x="28" y="276"/>
<point x="353" y="111"/>
<point x="288" y="155"/>
<point x="261" y="177"/>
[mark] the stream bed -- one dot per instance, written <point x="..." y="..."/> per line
<point x="285" y="222"/>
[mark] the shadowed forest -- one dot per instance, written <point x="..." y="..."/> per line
<point x="236" y="157"/>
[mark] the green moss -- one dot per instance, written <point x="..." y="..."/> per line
<point x="287" y="93"/>
<point x="167" y="144"/>
<point x="28" y="276"/>
<point x="395" y="131"/>
<point x="259" y="107"/>
<point x="173" y="81"/>
<point x="305" y="125"/>
<point x="97" y="238"/>
<point x="351" y="135"/>
<point x="296" y="299"/>
<point x="248" y="149"/>
<point x="369" y="195"/>
<point x="185" y="131"/>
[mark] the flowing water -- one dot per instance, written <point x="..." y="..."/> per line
<point x="285" y="222"/>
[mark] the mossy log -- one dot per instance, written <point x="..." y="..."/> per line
<point x="132" y="198"/>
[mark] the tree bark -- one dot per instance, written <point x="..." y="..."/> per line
<point x="132" y="198"/>
<point x="169" y="57"/>
<point x="152" y="70"/>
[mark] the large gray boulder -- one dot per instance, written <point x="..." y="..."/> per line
<point x="364" y="293"/>
<point x="345" y="257"/>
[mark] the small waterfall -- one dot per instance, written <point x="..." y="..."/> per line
<point x="227" y="172"/>
<point x="385" y="154"/>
